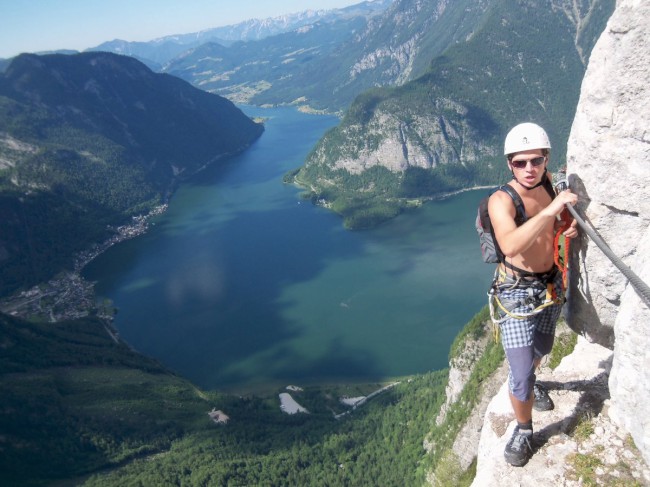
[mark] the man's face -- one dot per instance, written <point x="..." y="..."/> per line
<point x="528" y="166"/>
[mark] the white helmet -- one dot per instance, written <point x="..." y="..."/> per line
<point x="526" y="136"/>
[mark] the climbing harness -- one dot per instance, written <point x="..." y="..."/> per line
<point x="540" y="294"/>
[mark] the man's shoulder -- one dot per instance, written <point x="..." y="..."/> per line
<point x="505" y="194"/>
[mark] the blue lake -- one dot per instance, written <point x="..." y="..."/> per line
<point x="243" y="286"/>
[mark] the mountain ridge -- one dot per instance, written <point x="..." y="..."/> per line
<point x="389" y="46"/>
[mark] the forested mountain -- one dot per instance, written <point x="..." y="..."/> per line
<point x="160" y="51"/>
<point x="524" y="61"/>
<point x="245" y="71"/>
<point x="89" y="140"/>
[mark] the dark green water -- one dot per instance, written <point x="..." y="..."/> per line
<point x="240" y="285"/>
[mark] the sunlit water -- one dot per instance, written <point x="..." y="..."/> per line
<point x="240" y="285"/>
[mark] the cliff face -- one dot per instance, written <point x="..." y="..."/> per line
<point x="604" y="382"/>
<point x="609" y="165"/>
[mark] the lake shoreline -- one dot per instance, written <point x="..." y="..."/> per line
<point x="68" y="295"/>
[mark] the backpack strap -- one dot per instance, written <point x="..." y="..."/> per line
<point x="520" y="217"/>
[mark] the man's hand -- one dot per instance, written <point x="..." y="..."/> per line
<point x="566" y="197"/>
<point x="572" y="231"/>
<point x="563" y="198"/>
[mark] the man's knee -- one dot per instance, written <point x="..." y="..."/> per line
<point x="522" y="372"/>
<point x="521" y="387"/>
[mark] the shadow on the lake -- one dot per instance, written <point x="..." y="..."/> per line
<point x="339" y="364"/>
<point x="217" y="305"/>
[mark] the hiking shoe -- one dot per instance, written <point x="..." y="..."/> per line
<point x="518" y="449"/>
<point x="542" y="400"/>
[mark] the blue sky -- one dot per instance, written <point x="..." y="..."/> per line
<point x="41" y="25"/>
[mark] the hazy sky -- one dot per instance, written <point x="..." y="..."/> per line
<point x="42" y="25"/>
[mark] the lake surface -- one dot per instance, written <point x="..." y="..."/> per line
<point x="241" y="285"/>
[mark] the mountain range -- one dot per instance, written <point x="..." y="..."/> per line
<point x="325" y="65"/>
<point x="158" y="52"/>
<point x="427" y="89"/>
<point x="442" y="132"/>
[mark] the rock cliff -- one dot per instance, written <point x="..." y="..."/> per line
<point x="609" y="165"/>
<point x="601" y="391"/>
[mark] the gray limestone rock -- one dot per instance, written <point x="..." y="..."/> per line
<point x="609" y="166"/>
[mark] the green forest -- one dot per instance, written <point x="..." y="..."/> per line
<point x="78" y="405"/>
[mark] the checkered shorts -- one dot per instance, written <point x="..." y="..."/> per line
<point x="520" y="299"/>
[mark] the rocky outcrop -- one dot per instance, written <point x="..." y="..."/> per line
<point x="609" y="165"/>
<point x="460" y="370"/>
<point x="466" y="442"/>
<point x="423" y="142"/>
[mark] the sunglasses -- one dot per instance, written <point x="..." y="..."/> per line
<point x="522" y="163"/>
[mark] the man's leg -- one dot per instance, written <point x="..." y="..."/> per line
<point x="523" y="409"/>
<point x="524" y="353"/>
<point x="520" y="381"/>
<point x="538" y="400"/>
<point x="543" y="343"/>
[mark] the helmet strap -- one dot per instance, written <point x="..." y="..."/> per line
<point x="541" y="181"/>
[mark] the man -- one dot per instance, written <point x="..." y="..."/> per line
<point x="528" y="286"/>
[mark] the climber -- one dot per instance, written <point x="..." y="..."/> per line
<point x="527" y="284"/>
